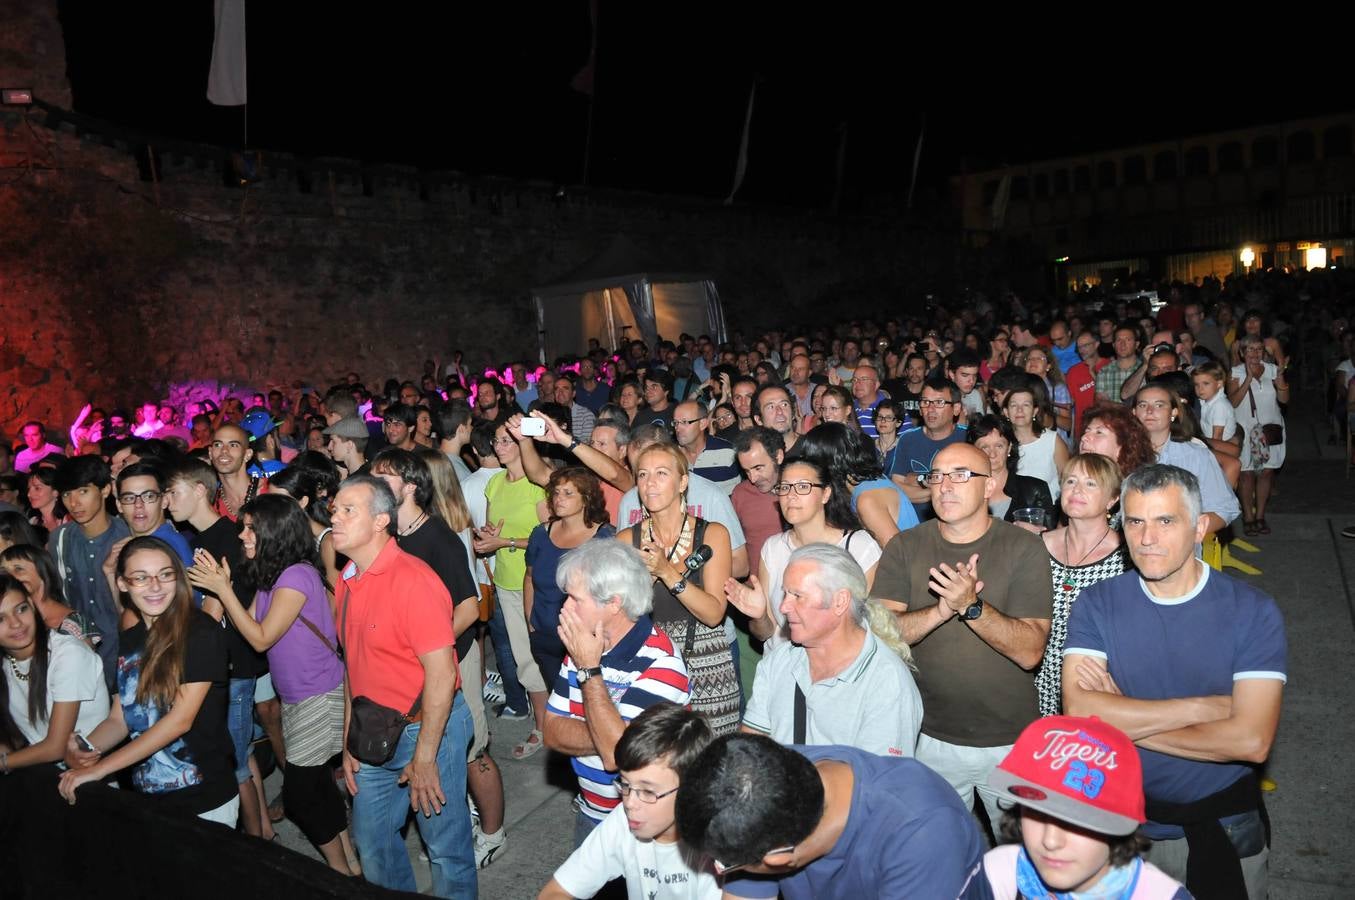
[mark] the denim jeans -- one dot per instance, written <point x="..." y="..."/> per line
<point x="381" y="807"/>
<point x="240" y="724"/>
<point x="508" y="667"/>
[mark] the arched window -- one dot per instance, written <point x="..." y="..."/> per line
<point x="1230" y="157"/>
<point x="1105" y="173"/>
<point x="1164" y="166"/>
<point x="1135" y="169"/>
<point x="1197" y="161"/>
<point x="1299" y="147"/>
<point x="1265" y="151"/>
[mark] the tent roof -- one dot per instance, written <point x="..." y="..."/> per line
<point x="621" y="263"/>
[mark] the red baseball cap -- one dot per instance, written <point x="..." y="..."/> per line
<point x="1080" y="771"/>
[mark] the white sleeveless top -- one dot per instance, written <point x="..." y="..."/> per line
<point x="1037" y="461"/>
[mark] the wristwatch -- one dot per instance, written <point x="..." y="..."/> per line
<point x="590" y="672"/>
<point x="572" y="445"/>
<point x="974" y="610"/>
<point x="679" y="586"/>
<point x="512" y="545"/>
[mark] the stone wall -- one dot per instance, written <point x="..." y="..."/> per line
<point x="114" y="288"/>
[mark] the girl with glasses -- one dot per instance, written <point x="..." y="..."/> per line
<point x="172" y="696"/>
<point x="818" y="509"/>
<point x="52" y="685"/>
<point x="888" y="420"/>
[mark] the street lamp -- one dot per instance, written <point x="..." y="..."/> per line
<point x="1248" y="256"/>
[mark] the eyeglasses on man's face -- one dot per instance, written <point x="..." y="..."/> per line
<point x="782" y="488"/>
<point x="146" y="497"/>
<point x="644" y="795"/>
<point x="925" y="403"/>
<point x="956" y="476"/>
<point x="722" y="869"/>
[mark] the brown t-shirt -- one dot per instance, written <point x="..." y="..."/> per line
<point x="971" y="694"/>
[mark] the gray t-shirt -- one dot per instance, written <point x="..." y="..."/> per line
<point x="872" y="705"/>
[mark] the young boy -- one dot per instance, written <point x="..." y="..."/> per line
<point x="638" y="840"/>
<point x="1217" y="420"/>
<point x="1078" y="789"/>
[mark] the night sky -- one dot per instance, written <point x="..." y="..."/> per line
<point x="485" y="89"/>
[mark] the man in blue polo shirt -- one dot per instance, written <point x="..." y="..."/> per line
<point x="827" y="822"/>
<point x="941" y="410"/>
<point x="1191" y="664"/>
<point x="866" y="395"/>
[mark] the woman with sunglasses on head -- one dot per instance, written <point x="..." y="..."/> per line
<point x="289" y="619"/>
<point x="818" y="508"/>
<point x="33" y="568"/>
<point x="688" y="603"/>
<point x="172" y="696"/>
<point x="52" y="685"/>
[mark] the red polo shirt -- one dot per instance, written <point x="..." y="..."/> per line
<point x="389" y="616"/>
<point x="1082" y="387"/>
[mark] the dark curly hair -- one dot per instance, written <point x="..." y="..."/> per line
<point x="283" y="538"/>
<point x="1136" y="448"/>
<point x="847" y="454"/>
<point x="589" y="488"/>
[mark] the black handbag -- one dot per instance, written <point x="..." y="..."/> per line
<point x="374" y="730"/>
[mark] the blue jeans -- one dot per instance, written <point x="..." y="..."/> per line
<point x="508" y="668"/>
<point x="381" y="807"/>
<point x="240" y="724"/>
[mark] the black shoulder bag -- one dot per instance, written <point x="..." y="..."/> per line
<point x="374" y="730"/>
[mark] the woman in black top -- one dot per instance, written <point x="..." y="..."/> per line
<point x="995" y="437"/>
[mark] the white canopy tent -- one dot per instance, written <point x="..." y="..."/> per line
<point x="616" y="297"/>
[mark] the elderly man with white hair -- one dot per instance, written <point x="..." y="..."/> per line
<point x="618" y="665"/>
<point x="844" y="677"/>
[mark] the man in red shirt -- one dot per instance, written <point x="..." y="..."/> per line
<point x="395" y="621"/>
<point x="1081" y="379"/>
<point x="760" y="452"/>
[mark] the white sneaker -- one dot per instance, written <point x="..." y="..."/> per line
<point x="494" y="688"/>
<point x="487" y="847"/>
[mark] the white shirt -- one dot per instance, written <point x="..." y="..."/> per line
<point x="473" y="489"/>
<point x="74" y="674"/>
<point x="653" y="870"/>
<point x="1216" y="412"/>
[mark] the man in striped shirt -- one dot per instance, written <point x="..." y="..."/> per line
<point x="618" y="665"/>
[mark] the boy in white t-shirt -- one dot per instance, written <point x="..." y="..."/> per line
<point x="1217" y="419"/>
<point x="638" y="840"/>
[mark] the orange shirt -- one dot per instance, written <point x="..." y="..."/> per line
<point x="395" y="612"/>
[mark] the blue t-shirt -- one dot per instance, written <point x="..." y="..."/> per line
<point x="907" y="516"/>
<point x="907" y="835"/>
<point x="1193" y="646"/>
<point x="1066" y="357"/>
<point x="543" y="556"/>
<point x="913" y="456"/>
<point x="167" y="533"/>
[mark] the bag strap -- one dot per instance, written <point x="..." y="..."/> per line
<point x="418" y="701"/>
<point x="801" y="714"/>
<point x="320" y="634"/>
<point x="1253" y="403"/>
<point x="61" y="553"/>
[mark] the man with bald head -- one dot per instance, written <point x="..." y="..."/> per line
<point x="230" y="453"/>
<point x="972" y="598"/>
<point x="707" y="455"/>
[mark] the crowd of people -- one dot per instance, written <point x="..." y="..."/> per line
<point x="965" y="549"/>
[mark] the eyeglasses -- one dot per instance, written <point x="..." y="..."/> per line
<point x="146" y="497"/>
<point x="686" y="421"/>
<point x="935" y="402"/>
<point x="886" y="419"/>
<point x="722" y="869"/>
<point x="644" y="795"/>
<point x="782" y="488"/>
<point x="503" y="442"/>
<point x="959" y="476"/>
<point x="141" y="579"/>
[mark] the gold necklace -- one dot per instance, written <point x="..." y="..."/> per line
<point x="14" y="667"/>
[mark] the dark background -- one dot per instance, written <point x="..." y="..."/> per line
<point x="485" y="89"/>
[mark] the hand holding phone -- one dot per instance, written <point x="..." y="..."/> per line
<point x="532" y="427"/>
<point x="84" y="743"/>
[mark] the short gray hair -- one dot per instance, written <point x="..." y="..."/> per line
<point x="1157" y="477"/>
<point x="651" y="433"/>
<point x="383" y="498"/>
<point x="1250" y="340"/>
<point x="610" y="569"/>
<point x="622" y="430"/>
<point x="836" y="570"/>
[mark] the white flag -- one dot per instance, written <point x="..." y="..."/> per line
<point x="226" y="78"/>
<point x="742" y="166"/>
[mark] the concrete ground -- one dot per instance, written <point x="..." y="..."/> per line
<point x="1305" y="564"/>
